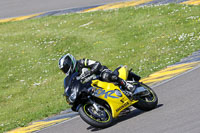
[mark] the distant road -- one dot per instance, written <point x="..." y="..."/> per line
<point x="178" y="112"/>
<point x="15" y="8"/>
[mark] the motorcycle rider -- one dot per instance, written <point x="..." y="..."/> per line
<point x="85" y="67"/>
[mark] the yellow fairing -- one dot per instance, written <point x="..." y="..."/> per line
<point x="123" y="72"/>
<point x="107" y="92"/>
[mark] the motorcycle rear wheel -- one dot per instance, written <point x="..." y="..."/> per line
<point x="148" y="102"/>
<point x="88" y="113"/>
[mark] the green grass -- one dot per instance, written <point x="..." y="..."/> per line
<point x="146" y="39"/>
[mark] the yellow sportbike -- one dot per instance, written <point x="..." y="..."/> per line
<point x="99" y="102"/>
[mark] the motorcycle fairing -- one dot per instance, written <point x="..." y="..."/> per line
<point x="110" y="93"/>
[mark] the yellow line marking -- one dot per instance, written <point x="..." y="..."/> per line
<point x="152" y="80"/>
<point x="36" y="126"/>
<point x="19" y="18"/>
<point x="164" y="75"/>
<point x="169" y="72"/>
<point x="118" y="5"/>
<point x="192" y="2"/>
<point x="174" y="69"/>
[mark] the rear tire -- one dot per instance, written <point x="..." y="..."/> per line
<point x="91" y="118"/>
<point x="148" y="102"/>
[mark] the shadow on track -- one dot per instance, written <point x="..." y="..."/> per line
<point x="130" y="115"/>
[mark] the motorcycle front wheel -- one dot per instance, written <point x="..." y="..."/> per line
<point x="99" y="119"/>
<point x="147" y="101"/>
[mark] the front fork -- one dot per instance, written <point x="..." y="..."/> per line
<point x="94" y="104"/>
<point x="99" y="113"/>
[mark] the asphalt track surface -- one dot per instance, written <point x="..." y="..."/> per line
<point x="15" y="8"/>
<point x="177" y="111"/>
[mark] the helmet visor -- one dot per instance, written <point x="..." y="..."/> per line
<point x="66" y="68"/>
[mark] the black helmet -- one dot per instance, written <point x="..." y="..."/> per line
<point x="67" y="64"/>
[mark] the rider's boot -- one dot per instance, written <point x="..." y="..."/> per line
<point x="129" y="88"/>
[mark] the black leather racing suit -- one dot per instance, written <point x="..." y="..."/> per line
<point x="98" y="69"/>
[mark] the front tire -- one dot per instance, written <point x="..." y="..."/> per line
<point x="147" y="102"/>
<point x="101" y="119"/>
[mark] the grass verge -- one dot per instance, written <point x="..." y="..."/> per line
<point x="146" y="39"/>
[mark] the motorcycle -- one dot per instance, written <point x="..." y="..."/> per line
<point x="99" y="102"/>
